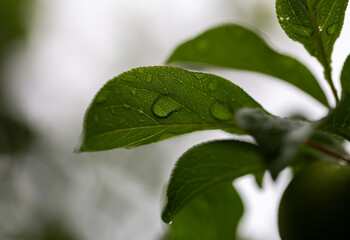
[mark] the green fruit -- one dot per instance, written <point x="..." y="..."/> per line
<point x="316" y="204"/>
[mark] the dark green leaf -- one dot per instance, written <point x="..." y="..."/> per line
<point x="278" y="138"/>
<point x="149" y="104"/>
<point x="345" y="75"/>
<point x="236" y="47"/>
<point x="314" y="23"/>
<point x="338" y="120"/>
<point x="212" y="214"/>
<point x="206" y="165"/>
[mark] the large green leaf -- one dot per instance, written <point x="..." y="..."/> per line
<point x="149" y="104"/>
<point x="212" y="214"/>
<point x="345" y="75"/>
<point x="236" y="47"/>
<point x="338" y="120"/>
<point x="314" y="23"/>
<point x="206" y="165"/>
<point x="279" y="138"/>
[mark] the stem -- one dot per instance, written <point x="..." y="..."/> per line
<point x="327" y="150"/>
<point x="326" y="64"/>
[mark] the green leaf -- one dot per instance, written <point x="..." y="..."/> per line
<point x="236" y="47"/>
<point x="206" y="165"/>
<point x="149" y="104"/>
<point x="345" y="75"/>
<point x="278" y="138"/>
<point x="212" y="214"/>
<point x="338" y="120"/>
<point x="314" y="23"/>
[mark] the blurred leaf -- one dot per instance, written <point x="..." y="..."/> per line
<point x="150" y="104"/>
<point x="338" y="121"/>
<point x="278" y="138"/>
<point x="206" y="165"/>
<point x="314" y="23"/>
<point x="345" y="75"/>
<point x="212" y="214"/>
<point x="236" y="47"/>
<point x="14" y="135"/>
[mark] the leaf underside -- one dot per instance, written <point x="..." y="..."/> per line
<point x="149" y="104"/>
<point x="212" y="214"/>
<point x="206" y="165"/>
<point x="236" y="47"/>
<point x="345" y="75"/>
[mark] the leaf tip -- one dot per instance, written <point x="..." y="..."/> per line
<point x="166" y="215"/>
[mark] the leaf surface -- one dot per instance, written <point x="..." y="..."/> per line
<point x="149" y="104"/>
<point x="278" y="138"/>
<point x="212" y="214"/>
<point x="314" y="23"/>
<point x="345" y="75"/>
<point x="236" y="47"/>
<point x="206" y="165"/>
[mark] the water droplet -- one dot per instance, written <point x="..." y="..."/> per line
<point x="331" y="29"/>
<point x="96" y="118"/>
<point x="100" y="99"/>
<point x="287" y="18"/>
<point x="213" y="84"/>
<point x="219" y="112"/>
<point x="164" y="106"/>
<point x="149" y="78"/>
<point x="281" y="19"/>
<point x="202" y="46"/>
<point x="126" y="106"/>
<point x="320" y="29"/>
<point x="133" y="90"/>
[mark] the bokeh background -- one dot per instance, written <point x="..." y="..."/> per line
<point x="55" y="55"/>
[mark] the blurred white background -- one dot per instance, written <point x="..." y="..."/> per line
<point x="73" y="48"/>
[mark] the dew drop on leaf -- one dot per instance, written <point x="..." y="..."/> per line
<point x="213" y="84"/>
<point x="219" y="112"/>
<point x="164" y="106"/>
<point x="149" y="78"/>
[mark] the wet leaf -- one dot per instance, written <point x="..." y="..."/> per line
<point x="149" y="104"/>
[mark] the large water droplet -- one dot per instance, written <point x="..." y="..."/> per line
<point x="213" y="84"/>
<point x="164" y="106"/>
<point x="331" y="29"/>
<point x="219" y="112"/>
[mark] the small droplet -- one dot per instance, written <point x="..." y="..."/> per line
<point x="213" y="84"/>
<point x="331" y="29"/>
<point x="320" y="29"/>
<point x="220" y="113"/>
<point x="96" y="118"/>
<point x="133" y="90"/>
<point x="287" y="18"/>
<point x="281" y="18"/>
<point x="149" y="78"/>
<point x="164" y="106"/>
<point x="100" y="99"/>
<point x="126" y="106"/>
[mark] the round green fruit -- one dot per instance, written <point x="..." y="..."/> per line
<point x="316" y="204"/>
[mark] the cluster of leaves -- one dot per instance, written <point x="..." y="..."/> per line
<point x="150" y="104"/>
